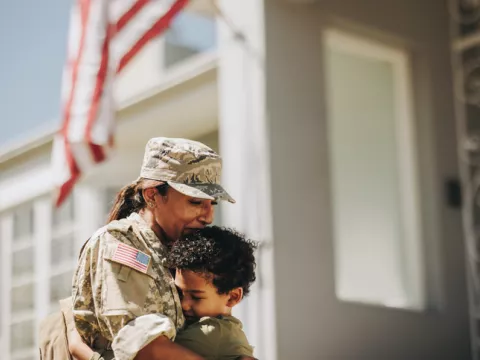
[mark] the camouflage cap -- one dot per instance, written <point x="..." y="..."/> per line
<point x="189" y="167"/>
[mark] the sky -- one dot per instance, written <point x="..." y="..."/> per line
<point x="33" y="39"/>
<point x="33" y="42"/>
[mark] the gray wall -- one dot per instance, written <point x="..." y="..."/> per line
<point x="311" y="322"/>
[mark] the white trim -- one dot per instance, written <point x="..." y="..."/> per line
<point x="88" y="211"/>
<point x="25" y="186"/>
<point x="22" y="280"/>
<point x="242" y="79"/>
<point x="30" y="141"/>
<point x="179" y="74"/>
<point x="409" y="181"/>
<point x="6" y="263"/>
<point x="22" y="316"/>
<point x="406" y="151"/>
<point x="356" y="45"/>
<point x="22" y="244"/>
<point x="42" y="236"/>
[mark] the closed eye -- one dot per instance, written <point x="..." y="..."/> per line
<point x="180" y="293"/>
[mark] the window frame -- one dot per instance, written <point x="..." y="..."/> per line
<point x="406" y="152"/>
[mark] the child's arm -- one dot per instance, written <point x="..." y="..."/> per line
<point x="79" y="349"/>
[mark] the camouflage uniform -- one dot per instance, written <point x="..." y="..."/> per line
<point x="109" y="292"/>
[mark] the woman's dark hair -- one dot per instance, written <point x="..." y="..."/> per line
<point x="224" y="256"/>
<point x="130" y="199"/>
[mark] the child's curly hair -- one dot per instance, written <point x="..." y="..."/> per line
<point x="224" y="256"/>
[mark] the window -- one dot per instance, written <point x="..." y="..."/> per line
<point x="63" y="252"/>
<point x="23" y="223"/>
<point x="190" y="34"/>
<point x="22" y="291"/>
<point x="376" y="224"/>
<point x="22" y="335"/>
<point x="39" y="258"/>
<point x="62" y="288"/>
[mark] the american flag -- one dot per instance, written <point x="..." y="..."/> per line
<point x="131" y="257"/>
<point x="104" y="36"/>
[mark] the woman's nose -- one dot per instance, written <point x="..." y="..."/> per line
<point x="208" y="214"/>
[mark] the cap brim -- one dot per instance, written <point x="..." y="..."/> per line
<point x="202" y="191"/>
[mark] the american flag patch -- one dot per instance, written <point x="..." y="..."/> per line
<point x="131" y="257"/>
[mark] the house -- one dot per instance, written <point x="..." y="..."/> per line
<point x="336" y="121"/>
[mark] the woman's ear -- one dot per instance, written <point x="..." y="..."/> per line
<point x="234" y="297"/>
<point x="149" y="196"/>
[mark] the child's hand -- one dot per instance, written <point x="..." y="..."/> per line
<point x="77" y="347"/>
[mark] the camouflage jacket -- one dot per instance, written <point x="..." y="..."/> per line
<point x="121" y="277"/>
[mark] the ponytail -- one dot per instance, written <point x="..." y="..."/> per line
<point x="130" y="198"/>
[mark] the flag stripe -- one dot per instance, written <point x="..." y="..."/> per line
<point x="65" y="189"/>
<point x="129" y="15"/>
<point x="155" y="30"/>
<point x="97" y="150"/>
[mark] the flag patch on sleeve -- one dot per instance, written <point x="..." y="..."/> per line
<point x="131" y="257"/>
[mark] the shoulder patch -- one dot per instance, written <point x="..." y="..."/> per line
<point x="131" y="257"/>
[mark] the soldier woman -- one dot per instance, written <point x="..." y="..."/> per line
<point x="121" y="274"/>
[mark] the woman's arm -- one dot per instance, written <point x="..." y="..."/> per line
<point x="159" y="349"/>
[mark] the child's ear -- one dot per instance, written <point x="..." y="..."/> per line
<point x="234" y="297"/>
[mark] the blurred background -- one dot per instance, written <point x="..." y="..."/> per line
<point x="338" y="124"/>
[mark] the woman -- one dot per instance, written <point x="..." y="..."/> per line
<point x="120" y="276"/>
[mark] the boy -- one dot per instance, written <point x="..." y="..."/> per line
<point x="215" y="268"/>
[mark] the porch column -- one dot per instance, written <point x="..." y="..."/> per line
<point x="244" y="146"/>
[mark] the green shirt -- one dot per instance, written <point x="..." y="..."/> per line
<point x="216" y="338"/>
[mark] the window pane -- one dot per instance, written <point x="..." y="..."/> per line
<point x="65" y="213"/>
<point x="61" y="286"/>
<point x="23" y="262"/>
<point x="63" y="250"/>
<point x="189" y="34"/>
<point x="23" y="297"/>
<point x="367" y="192"/>
<point x="23" y="222"/>
<point x="28" y="357"/>
<point x="22" y="335"/>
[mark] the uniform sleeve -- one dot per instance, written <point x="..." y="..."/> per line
<point x="140" y="332"/>
<point x="113" y="295"/>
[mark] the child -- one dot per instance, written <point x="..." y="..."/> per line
<point x="214" y="270"/>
